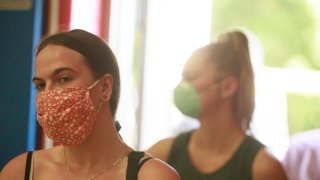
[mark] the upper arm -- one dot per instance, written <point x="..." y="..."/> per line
<point x="15" y="168"/>
<point x="161" y="149"/>
<point x="156" y="169"/>
<point x="266" y="166"/>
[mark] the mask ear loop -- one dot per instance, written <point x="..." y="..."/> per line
<point x="94" y="84"/>
<point x="101" y="102"/>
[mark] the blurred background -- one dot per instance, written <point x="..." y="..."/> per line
<point x="152" y="39"/>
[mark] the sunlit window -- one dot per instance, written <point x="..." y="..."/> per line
<point x="153" y="39"/>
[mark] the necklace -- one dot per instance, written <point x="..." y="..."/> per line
<point x="98" y="173"/>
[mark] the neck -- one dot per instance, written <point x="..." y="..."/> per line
<point x="218" y="131"/>
<point x="103" y="147"/>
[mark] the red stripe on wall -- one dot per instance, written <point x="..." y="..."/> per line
<point x="65" y="13"/>
<point x="104" y="19"/>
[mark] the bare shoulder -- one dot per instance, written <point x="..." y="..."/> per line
<point x="15" y="168"/>
<point x="266" y="166"/>
<point x="156" y="169"/>
<point x="161" y="149"/>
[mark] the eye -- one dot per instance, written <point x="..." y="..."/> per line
<point x="190" y="77"/>
<point x="40" y="86"/>
<point x="64" y="79"/>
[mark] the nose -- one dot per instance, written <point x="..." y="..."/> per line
<point x="49" y="86"/>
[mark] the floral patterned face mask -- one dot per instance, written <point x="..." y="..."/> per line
<point x="67" y="115"/>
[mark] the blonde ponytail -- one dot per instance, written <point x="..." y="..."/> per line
<point x="231" y="54"/>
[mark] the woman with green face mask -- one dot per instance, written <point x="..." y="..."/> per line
<point x="217" y="88"/>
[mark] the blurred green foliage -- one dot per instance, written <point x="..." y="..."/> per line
<point x="287" y="30"/>
<point x="302" y="117"/>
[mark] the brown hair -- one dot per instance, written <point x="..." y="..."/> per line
<point x="231" y="54"/>
<point x="97" y="53"/>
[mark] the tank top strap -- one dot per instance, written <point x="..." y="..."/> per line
<point x="135" y="161"/>
<point x="250" y="146"/>
<point x="245" y="155"/>
<point x="29" y="166"/>
<point x="180" y="142"/>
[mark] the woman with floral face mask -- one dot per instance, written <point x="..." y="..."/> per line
<point x="78" y="83"/>
<point x="218" y="89"/>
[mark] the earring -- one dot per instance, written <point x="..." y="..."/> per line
<point x="105" y="97"/>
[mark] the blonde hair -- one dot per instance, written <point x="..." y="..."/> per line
<point x="231" y="55"/>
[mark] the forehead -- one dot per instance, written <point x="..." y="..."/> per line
<point x="198" y="62"/>
<point x="53" y="57"/>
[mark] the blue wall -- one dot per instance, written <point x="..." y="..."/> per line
<point x="19" y="33"/>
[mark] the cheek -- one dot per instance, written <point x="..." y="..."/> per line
<point x="209" y="101"/>
<point x="95" y="97"/>
<point x="199" y="86"/>
<point x="205" y="103"/>
<point x="202" y="84"/>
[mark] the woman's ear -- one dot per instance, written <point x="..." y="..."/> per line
<point x="106" y="84"/>
<point x="229" y="86"/>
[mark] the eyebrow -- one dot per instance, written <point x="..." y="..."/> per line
<point x="55" y="72"/>
<point x="187" y="73"/>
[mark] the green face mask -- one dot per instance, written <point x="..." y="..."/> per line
<point x="187" y="100"/>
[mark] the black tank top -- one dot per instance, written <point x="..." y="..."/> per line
<point x="239" y="167"/>
<point x="135" y="161"/>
